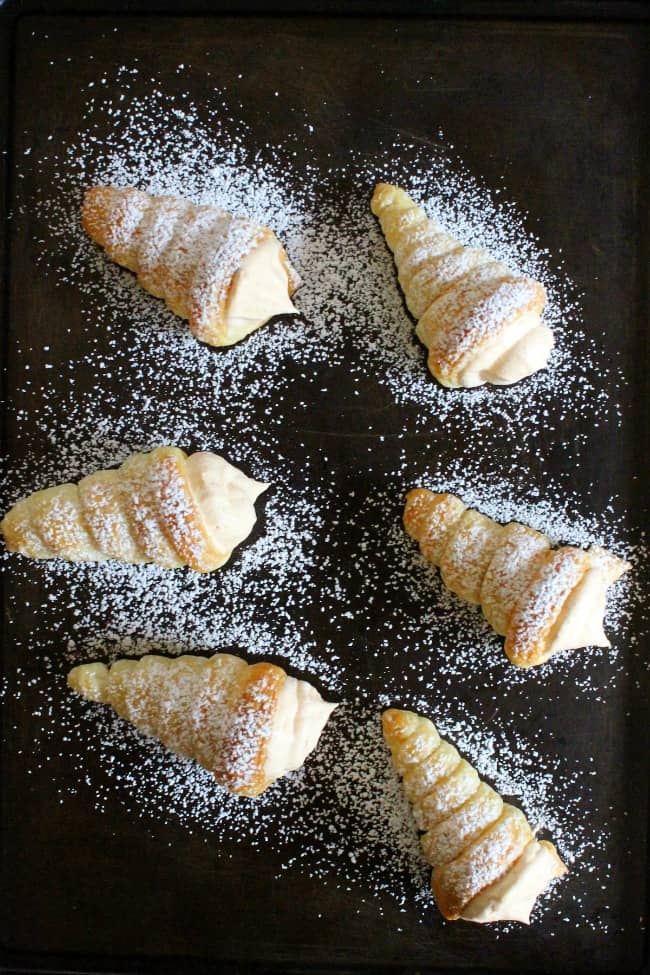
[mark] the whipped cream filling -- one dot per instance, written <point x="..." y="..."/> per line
<point x="225" y="497"/>
<point x="581" y="619"/>
<point x="260" y="290"/>
<point x="300" y="716"/>
<point x="520" y="351"/>
<point x="513" y="896"/>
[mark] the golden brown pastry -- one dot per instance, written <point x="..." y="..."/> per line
<point x="162" y="507"/>
<point x="487" y="864"/>
<point x="479" y="320"/>
<point x="542" y="600"/>
<point x="225" y="274"/>
<point x="248" y="724"/>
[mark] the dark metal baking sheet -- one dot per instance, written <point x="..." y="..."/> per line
<point x="82" y="892"/>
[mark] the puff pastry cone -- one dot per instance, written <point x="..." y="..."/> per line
<point x="248" y="724"/>
<point x="487" y="864"/>
<point x="479" y="321"/>
<point x="542" y="600"/>
<point x="226" y="275"/>
<point x="162" y="507"/>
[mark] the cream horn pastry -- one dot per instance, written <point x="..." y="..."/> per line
<point x="542" y="600"/>
<point x="226" y="275"/>
<point x="248" y="724"/>
<point x="162" y="507"/>
<point x="479" y="321"/>
<point x="487" y="864"/>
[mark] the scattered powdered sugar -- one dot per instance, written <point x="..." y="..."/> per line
<point x="137" y="608"/>
<point x="329" y="554"/>
<point x="168" y="145"/>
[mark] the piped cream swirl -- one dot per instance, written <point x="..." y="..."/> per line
<point x="513" y="896"/>
<point x="522" y="349"/>
<point x="226" y="498"/>
<point x="260" y="290"/>
<point x="300" y="716"/>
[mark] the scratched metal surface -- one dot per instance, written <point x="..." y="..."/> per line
<point x="560" y="106"/>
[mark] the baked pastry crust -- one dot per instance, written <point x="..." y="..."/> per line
<point x="527" y="590"/>
<point x="188" y="255"/>
<point x="218" y="710"/>
<point x="479" y="321"/>
<point x="145" y="511"/>
<point x="472" y="839"/>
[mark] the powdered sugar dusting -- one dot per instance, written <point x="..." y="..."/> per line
<point x="329" y="545"/>
<point x="350" y="289"/>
